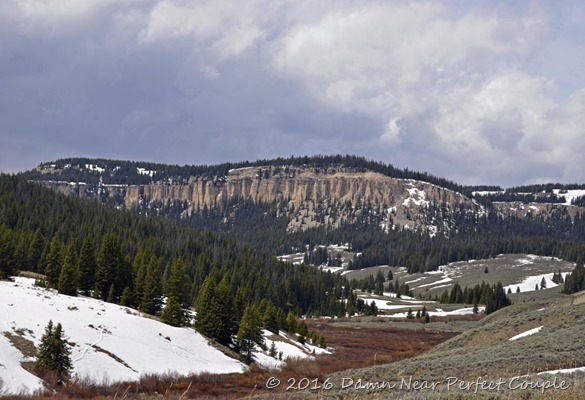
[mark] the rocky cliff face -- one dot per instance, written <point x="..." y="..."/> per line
<point x="327" y="196"/>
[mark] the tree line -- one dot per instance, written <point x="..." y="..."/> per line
<point x="493" y="296"/>
<point x="117" y="256"/>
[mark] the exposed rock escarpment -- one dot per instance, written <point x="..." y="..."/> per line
<point x="300" y="188"/>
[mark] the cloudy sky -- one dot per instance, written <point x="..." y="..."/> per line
<point x="479" y="92"/>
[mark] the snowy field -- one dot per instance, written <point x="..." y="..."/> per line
<point x="98" y="329"/>
<point x="111" y="343"/>
<point x="530" y="283"/>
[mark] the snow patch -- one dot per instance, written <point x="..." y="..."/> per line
<point x="144" y="171"/>
<point x="563" y="371"/>
<point x="416" y="197"/>
<point x="570" y="195"/>
<point x="444" y="280"/>
<point x="440" y="313"/>
<point x="527" y="333"/>
<point x="92" y="167"/>
<point x="146" y="346"/>
<point x="530" y="282"/>
<point x="285" y="345"/>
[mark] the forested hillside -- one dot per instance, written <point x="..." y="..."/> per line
<point x="120" y="257"/>
<point x="419" y="227"/>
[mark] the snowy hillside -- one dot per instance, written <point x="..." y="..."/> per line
<point x="109" y="342"/>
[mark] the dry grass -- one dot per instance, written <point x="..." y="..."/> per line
<point x="25" y="346"/>
<point x="357" y="347"/>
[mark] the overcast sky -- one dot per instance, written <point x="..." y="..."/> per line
<point x="476" y="91"/>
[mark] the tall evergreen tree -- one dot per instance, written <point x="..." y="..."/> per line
<point x="172" y="313"/>
<point x="215" y="314"/>
<point x="35" y="250"/>
<point x="69" y="275"/>
<point x="250" y="331"/>
<point x="54" y="353"/>
<point x="110" y="260"/>
<point x="226" y="311"/>
<point x="270" y="319"/>
<point x="291" y="322"/>
<point x="150" y="301"/>
<point x="54" y="261"/>
<point x="21" y="252"/>
<point x="177" y="283"/>
<point x="87" y="267"/>
<point x="7" y="249"/>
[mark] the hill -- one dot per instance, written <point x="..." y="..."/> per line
<point x="109" y="343"/>
<point x="390" y="216"/>
<point x="523" y="346"/>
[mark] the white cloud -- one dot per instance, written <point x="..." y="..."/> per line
<point x="224" y="26"/>
<point x="463" y="89"/>
<point x="455" y="81"/>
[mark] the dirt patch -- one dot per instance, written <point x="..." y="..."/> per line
<point x="25" y="346"/>
<point x="115" y="357"/>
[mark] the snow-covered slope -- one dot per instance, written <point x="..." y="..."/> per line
<point x="287" y="346"/>
<point x="110" y="343"/>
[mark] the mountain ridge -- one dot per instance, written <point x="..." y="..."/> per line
<point x="310" y="191"/>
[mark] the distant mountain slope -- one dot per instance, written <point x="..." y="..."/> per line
<point x="283" y="205"/>
<point x="308" y="191"/>
<point x="139" y="172"/>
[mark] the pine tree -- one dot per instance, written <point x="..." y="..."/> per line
<point x="370" y="309"/>
<point x="35" y="250"/>
<point x="54" y="262"/>
<point x="21" y="252"/>
<point x="172" y="313"/>
<point x="270" y="319"/>
<point x="303" y="330"/>
<point x="273" y="353"/>
<point x="7" y="249"/>
<point x="54" y="353"/>
<point x="291" y="322"/>
<point x="177" y="283"/>
<point x="215" y="315"/>
<point x="250" y="331"/>
<point x="45" y="351"/>
<point x="87" y="267"/>
<point x="68" y="277"/>
<point x="113" y="269"/>
<point x="151" y="289"/>
<point x="127" y="298"/>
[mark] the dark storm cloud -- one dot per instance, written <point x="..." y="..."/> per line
<point x="460" y="90"/>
